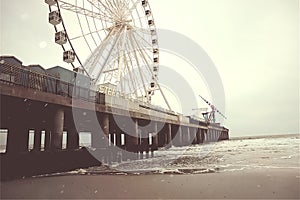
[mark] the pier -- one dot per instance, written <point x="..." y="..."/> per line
<point x="49" y="109"/>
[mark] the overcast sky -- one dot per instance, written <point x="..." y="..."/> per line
<point x="254" y="45"/>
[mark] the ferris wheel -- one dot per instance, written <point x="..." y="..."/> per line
<point x="113" y="42"/>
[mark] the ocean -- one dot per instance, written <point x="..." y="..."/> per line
<point x="240" y="154"/>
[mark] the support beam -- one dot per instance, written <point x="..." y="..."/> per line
<point x="177" y="135"/>
<point x="169" y="135"/>
<point x="47" y="140"/>
<point x="194" y="135"/>
<point x="37" y="140"/>
<point x="198" y="136"/>
<point x="72" y="138"/>
<point x="57" y="129"/>
<point x="205" y="135"/>
<point x="155" y="137"/>
<point x="17" y="139"/>
<point x="162" y="136"/>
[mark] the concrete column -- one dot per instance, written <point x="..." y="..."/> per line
<point x="98" y="138"/>
<point x="118" y="137"/>
<point x="135" y="139"/>
<point x="209" y="135"/>
<point x="194" y="136"/>
<point x="131" y="139"/>
<point x="100" y="134"/>
<point x="198" y="135"/>
<point x="218" y="135"/>
<point x="72" y="138"/>
<point x="169" y="135"/>
<point x="155" y="137"/>
<point x="180" y="136"/>
<point x="105" y="124"/>
<point x="177" y="135"/>
<point x="185" y="135"/>
<point x="162" y="139"/>
<point x="47" y="140"/>
<point x="17" y="139"/>
<point x="144" y="146"/>
<point x="202" y="135"/>
<point x="57" y="129"/>
<point x="37" y="140"/>
<point x="205" y="135"/>
<point x="188" y="136"/>
<point x="221" y="135"/>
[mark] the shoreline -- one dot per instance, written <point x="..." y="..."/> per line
<point x="251" y="184"/>
<point x="265" y="136"/>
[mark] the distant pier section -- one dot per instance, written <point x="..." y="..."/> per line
<point x="46" y="113"/>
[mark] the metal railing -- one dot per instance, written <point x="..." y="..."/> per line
<point x="20" y="76"/>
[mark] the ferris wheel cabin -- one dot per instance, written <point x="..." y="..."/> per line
<point x="69" y="56"/>
<point x="50" y="2"/>
<point x="144" y="3"/>
<point x="61" y="37"/>
<point x="54" y="18"/>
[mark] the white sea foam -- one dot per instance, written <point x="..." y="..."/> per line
<point x="226" y="156"/>
<point x="235" y="155"/>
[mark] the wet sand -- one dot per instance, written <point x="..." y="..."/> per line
<point x="250" y="184"/>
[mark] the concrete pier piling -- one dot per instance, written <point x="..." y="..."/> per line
<point x="47" y="140"/>
<point x="57" y="129"/>
<point x="72" y="138"/>
<point x="194" y="135"/>
<point x="177" y="135"/>
<point x="37" y="140"/>
<point x="18" y="138"/>
<point x="169" y="135"/>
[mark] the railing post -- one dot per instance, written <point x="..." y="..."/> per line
<point x="56" y="85"/>
<point x="10" y="81"/>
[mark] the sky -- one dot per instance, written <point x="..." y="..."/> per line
<point x="254" y="45"/>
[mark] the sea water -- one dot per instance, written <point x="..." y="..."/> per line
<point x="226" y="156"/>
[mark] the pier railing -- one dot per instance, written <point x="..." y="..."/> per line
<point x="20" y="76"/>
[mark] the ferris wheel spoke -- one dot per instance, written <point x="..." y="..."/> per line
<point x="89" y="27"/>
<point x="165" y="99"/>
<point x="102" y="8"/>
<point x="79" y="22"/>
<point x="95" y="26"/>
<point x="90" y="33"/>
<point x="131" y="70"/>
<point x="138" y="63"/>
<point x="83" y="11"/>
<point x="139" y="18"/>
<point x="108" y="7"/>
<point x="142" y="53"/>
<point x="92" y="61"/>
<point x="130" y="86"/>
<point x="122" y="46"/>
<point x="110" y="51"/>
<point x="136" y="77"/>
<point x="134" y="5"/>
<point x="146" y="43"/>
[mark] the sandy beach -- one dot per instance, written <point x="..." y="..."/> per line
<point x="254" y="184"/>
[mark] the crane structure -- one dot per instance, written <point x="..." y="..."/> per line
<point x="210" y="117"/>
